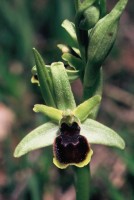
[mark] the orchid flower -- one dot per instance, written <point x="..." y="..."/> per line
<point x="71" y="129"/>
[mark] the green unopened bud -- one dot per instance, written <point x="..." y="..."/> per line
<point x="90" y="18"/>
<point x="101" y="40"/>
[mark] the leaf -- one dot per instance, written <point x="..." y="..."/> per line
<point x="40" y="137"/>
<point x="53" y="113"/>
<point x="97" y="133"/>
<point x="84" y="109"/>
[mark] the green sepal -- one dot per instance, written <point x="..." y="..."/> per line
<point x="70" y="29"/>
<point x="97" y="133"/>
<point x="40" y="137"/>
<point x="73" y="61"/>
<point x="44" y="79"/>
<point x="54" y="114"/>
<point x="62" y="89"/>
<point x="86" y="108"/>
<point x="102" y="38"/>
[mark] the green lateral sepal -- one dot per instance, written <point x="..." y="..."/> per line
<point x="97" y="133"/>
<point x="54" y="114"/>
<point x="86" y="108"/>
<point x="40" y="137"/>
<point x="62" y="89"/>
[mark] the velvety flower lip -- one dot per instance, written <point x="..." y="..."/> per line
<point x="71" y="148"/>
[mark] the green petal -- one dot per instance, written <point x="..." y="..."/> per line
<point x="97" y="133"/>
<point x="40" y="137"/>
<point x="53" y="113"/>
<point x="84" y="109"/>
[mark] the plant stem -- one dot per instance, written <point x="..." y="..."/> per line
<point x="77" y="4"/>
<point x="83" y="183"/>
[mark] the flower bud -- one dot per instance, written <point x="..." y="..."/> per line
<point x="90" y="18"/>
<point x="101" y="40"/>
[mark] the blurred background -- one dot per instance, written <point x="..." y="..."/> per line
<point x="36" y="23"/>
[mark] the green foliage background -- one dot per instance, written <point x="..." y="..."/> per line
<point x="36" y="23"/>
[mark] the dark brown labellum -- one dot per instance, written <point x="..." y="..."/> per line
<point x="70" y="146"/>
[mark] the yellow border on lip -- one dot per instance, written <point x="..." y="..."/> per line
<point x="81" y="164"/>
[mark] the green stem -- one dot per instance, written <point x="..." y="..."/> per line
<point x="77" y="4"/>
<point x="83" y="183"/>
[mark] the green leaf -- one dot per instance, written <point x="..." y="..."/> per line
<point x="40" y="137"/>
<point x="73" y="61"/>
<point x="53" y="113"/>
<point x="84" y="109"/>
<point x="70" y="29"/>
<point x="62" y="89"/>
<point x="44" y="79"/>
<point x="97" y="133"/>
